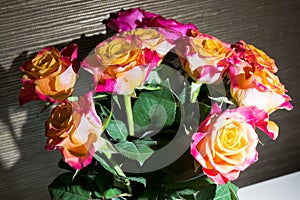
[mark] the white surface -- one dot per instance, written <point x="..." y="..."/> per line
<point x="282" y="188"/>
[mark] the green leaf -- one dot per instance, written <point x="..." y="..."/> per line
<point x="116" y="99"/>
<point x="195" y="89"/>
<point x="188" y="197"/>
<point x="196" y="184"/>
<point x="149" y="194"/>
<point x="103" y="110"/>
<point x="73" y="98"/>
<point x="63" y="188"/>
<point x="233" y="191"/>
<point x="117" y="130"/>
<point x="172" y="194"/>
<point x="112" y="192"/>
<point x="186" y="191"/>
<point x="204" y="110"/>
<point x="206" y="193"/>
<point x="100" y="96"/>
<point x="154" y="110"/>
<point x="103" y="180"/>
<point x="104" y="164"/>
<point x="106" y="121"/>
<point x="141" y="180"/>
<point x="221" y="100"/>
<point x="105" y="146"/>
<point x="97" y="194"/>
<point x="137" y="150"/>
<point x="150" y="87"/>
<point x="57" y="194"/>
<point x="226" y="192"/>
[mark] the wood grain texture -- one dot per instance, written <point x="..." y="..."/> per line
<point x="27" y="26"/>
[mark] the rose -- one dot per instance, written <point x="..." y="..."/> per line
<point x="257" y="87"/>
<point x="121" y="64"/>
<point x="254" y="56"/>
<point x="74" y="128"/>
<point x="50" y="76"/>
<point x="203" y="58"/>
<point x="172" y="29"/>
<point x="126" y="20"/>
<point x="137" y="18"/>
<point x="118" y="51"/>
<point x="225" y="143"/>
<point x="253" y="82"/>
<point x="152" y="39"/>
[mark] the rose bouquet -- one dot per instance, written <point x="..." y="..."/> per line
<point x="170" y="113"/>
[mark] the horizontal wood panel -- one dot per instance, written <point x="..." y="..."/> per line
<point x="27" y="26"/>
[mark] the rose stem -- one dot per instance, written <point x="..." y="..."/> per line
<point x="119" y="171"/>
<point x="127" y="100"/>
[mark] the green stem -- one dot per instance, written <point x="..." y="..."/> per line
<point x="127" y="100"/>
<point x="120" y="172"/>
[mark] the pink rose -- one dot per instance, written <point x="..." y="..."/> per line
<point x="225" y="143"/>
<point x="203" y="57"/>
<point x="253" y="82"/>
<point x="123" y="62"/>
<point x="127" y="20"/>
<point x="75" y="128"/>
<point x="137" y="18"/>
<point x="50" y="76"/>
<point x="171" y="28"/>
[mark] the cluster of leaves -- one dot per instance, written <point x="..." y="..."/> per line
<point x="95" y="182"/>
<point x="152" y="112"/>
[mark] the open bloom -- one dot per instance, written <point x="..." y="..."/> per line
<point x="225" y="143"/>
<point x="137" y="18"/>
<point x="253" y="82"/>
<point x="50" y="76"/>
<point x="202" y="57"/>
<point x="254" y="56"/>
<point x="74" y="128"/>
<point x="126" y="20"/>
<point x="152" y="39"/>
<point x="123" y="62"/>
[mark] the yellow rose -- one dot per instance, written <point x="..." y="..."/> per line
<point x="208" y="46"/>
<point x="121" y="63"/>
<point x="44" y="64"/>
<point x="261" y="58"/>
<point x="51" y="75"/>
<point x="118" y="51"/>
<point x="152" y="39"/>
<point x="225" y="143"/>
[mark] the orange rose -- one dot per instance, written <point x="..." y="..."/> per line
<point x="50" y="76"/>
<point x="75" y="129"/>
<point x="253" y="82"/>
<point x="254" y="56"/>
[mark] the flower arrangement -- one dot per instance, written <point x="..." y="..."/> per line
<point x="172" y="113"/>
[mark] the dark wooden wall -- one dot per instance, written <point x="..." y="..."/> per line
<point x="26" y="26"/>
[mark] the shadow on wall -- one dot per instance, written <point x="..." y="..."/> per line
<point x="26" y="168"/>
